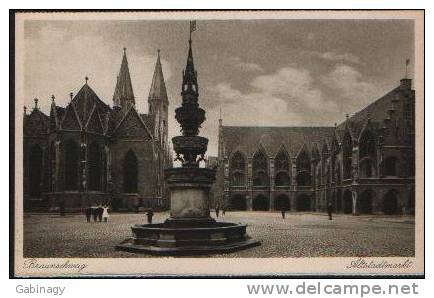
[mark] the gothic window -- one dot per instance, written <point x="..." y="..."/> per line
<point x="337" y="172"/>
<point x="94" y="167"/>
<point x="260" y="170"/>
<point x="130" y="172"/>
<point x="71" y="165"/>
<point x="35" y="170"/>
<point x="366" y="168"/>
<point x="390" y="166"/>
<point x="303" y="169"/>
<point x="282" y="179"/>
<point x="53" y="165"/>
<point x="281" y="162"/>
<point x="367" y="145"/>
<point x="238" y="168"/>
<point x="347" y="147"/>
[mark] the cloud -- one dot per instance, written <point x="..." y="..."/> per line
<point x="296" y="86"/>
<point x="56" y="63"/>
<point x="245" y="66"/>
<point x="332" y="56"/>
<point x="351" y="86"/>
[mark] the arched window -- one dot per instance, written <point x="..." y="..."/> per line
<point x="338" y="172"/>
<point x="281" y="162"/>
<point x="367" y="154"/>
<point x="71" y="165"/>
<point x="53" y="165"/>
<point x="347" y="147"/>
<point x="260" y="170"/>
<point x="237" y="169"/>
<point x="281" y="166"/>
<point x="303" y="169"/>
<point x="390" y="165"/>
<point x="130" y="172"/>
<point x="94" y="167"/>
<point x="35" y="171"/>
<point x="282" y="179"/>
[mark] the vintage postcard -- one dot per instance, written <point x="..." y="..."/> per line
<point x="223" y="143"/>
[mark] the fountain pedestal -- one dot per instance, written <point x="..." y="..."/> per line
<point x="190" y="228"/>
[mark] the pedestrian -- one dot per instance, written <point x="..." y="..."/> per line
<point x="94" y="213"/>
<point x="283" y="213"/>
<point x="217" y="210"/>
<point x="329" y="210"/>
<point x="224" y="210"/>
<point x="100" y="212"/>
<point x="149" y="214"/>
<point x="105" y="214"/>
<point x="88" y="212"/>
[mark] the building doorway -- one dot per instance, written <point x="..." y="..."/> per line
<point x="260" y="203"/>
<point x="303" y="203"/>
<point x="390" y="203"/>
<point x="282" y="203"/>
<point x="35" y="171"/>
<point x="238" y="202"/>
<point x="366" y="200"/>
<point x="348" y="202"/>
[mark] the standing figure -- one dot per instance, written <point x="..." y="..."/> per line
<point x="94" y="213"/>
<point x="100" y="212"/>
<point x="329" y="210"/>
<point x="149" y="215"/>
<point x="224" y="210"/>
<point x="283" y="212"/>
<point x="217" y="210"/>
<point x="105" y="214"/>
<point x="88" y="212"/>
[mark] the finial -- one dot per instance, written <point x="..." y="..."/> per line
<point x="36" y="103"/>
<point x="71" y="95"/>
<point x="336" y="125"/>
<point x="158" y="52"/>
<point x="347" y="116"/>
<point x="125" y="50"/>
<point x="52" y="98"/>
<point x="407" y="63"/>
<point x="86" y="79"/>
<point x="25" y="110"/>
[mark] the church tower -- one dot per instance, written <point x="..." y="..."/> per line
<point x="124" y="96"/>
<point x="159" y="105"/>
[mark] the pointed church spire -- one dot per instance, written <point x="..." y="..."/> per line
<point x="124" y="90"/>
<point x="158" y="87"/>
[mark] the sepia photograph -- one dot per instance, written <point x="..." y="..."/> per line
<point x="213" y="143"/>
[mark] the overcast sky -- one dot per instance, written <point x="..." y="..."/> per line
<point x="262" y="72"/>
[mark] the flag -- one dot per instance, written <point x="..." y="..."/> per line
<point x="192" y="26"/>
<point x="407" y="62"/>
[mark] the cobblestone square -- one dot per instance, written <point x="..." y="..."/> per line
<point x="298" y="235"/>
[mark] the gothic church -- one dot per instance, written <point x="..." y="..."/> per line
<point x="90" y="153"/>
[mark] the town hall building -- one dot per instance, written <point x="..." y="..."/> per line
<point x="364" y="165"/>
<point x="91" y="153"/>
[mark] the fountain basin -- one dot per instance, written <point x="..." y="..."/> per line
<point x="170" y="238"/>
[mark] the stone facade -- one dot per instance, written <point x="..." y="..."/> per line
<point x="91" y="153"/>
<point x="364" y="165"/>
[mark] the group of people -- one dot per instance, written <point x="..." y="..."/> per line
<point x="217" y="211"/>
<point x="99" y="213"/>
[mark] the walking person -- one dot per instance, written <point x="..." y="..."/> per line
<point x="329" y="210"/>
<point x="223" y="210"/>
<point x="217" y="210"/>
<point x="100" y="212"/>
<point x="94" y="213"/>
<point x="88" y="212"/>
<point x="283" y="212"/>
<point x="149" y="215"/>
<point x="105" y="214"/>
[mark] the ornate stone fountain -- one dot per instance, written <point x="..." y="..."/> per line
<point x="190" y="229"/>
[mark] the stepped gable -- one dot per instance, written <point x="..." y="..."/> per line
<point x="247" y="139"/>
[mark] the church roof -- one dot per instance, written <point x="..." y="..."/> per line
<point x="124" y="88"/>
<point x="84" y="101"/>
<point x="158" y="87"/>
<point x="36" y="123"/>
<point x="249" y="139"/>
